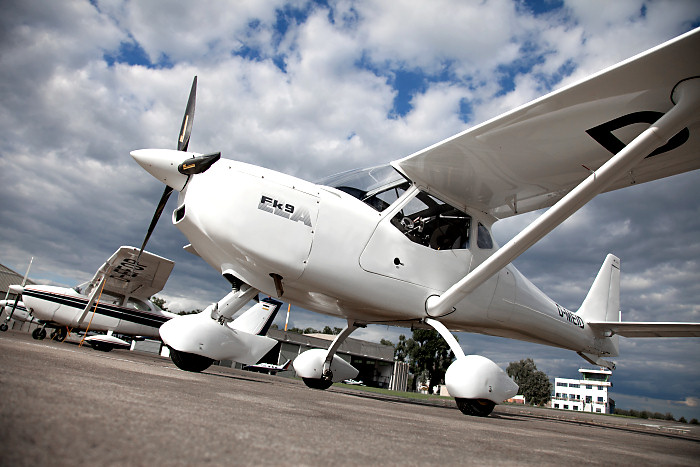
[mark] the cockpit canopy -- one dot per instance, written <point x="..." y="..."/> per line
<point x="424" y="219"/>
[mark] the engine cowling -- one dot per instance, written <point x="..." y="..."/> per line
<point x="477" y="377"/>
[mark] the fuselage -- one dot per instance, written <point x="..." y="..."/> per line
<point x="372" y="254"/>
<point x="124" y="315"/>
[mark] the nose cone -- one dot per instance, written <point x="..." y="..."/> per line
<point x="162" y="164"/>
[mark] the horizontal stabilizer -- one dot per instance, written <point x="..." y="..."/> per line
<point x="648" y="329"/>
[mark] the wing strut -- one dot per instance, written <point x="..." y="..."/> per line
<point x="686" y="97"/>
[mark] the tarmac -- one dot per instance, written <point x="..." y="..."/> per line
<point x="61" y="404"/>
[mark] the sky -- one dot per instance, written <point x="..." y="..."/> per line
<point x="315" y="88"/>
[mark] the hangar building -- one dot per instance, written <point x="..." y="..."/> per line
<point x="375" y="361"/>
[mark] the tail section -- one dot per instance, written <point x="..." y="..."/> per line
<point x="602" y="304"/>
<point x="603" y="300"/>
<point x="258" y="318"/>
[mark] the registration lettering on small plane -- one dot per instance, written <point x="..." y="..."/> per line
<point x="571" y="317"/>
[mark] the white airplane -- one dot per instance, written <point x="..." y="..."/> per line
<point x="15" y="308"/>
<point x="409" y="243"/>
<point x="270" y="368"/>
<point x="117" y="300"/>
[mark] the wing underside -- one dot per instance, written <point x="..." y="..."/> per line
<point x="127" y="277"/>
<point x="531" y="157"/>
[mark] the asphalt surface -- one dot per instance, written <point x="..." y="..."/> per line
<point x="61" y="404"/>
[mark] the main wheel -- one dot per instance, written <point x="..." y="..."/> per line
<point x="102" y="347"/>
<point x="318" y="383"/>
<point x="189" y="361"/>
<point x="39" y="334"/>
<point x="61" y="334"/>
<point x="475" y="407"/>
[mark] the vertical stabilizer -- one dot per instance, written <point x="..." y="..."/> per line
<point x="603" y="300"/>
<point x="258" y="318"/>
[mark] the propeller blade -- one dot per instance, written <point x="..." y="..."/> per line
<point x="186" y="128"/>
<point x="156" y="215"/>
<point x="18" y="290"/>
<point x="199" y="164"/>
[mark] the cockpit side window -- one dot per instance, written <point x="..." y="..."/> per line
<point x="111" y="298"/>
<point x="137" y="304"/>
<point x="483" y="238"/>
<point x="433" y="223"/>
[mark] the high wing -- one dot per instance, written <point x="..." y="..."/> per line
<point x="126" y="277"/>
<point x="650" y="329"/>
<point x="531" y="157"/>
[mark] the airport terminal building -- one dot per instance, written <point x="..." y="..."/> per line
<point x="587" y="394"/>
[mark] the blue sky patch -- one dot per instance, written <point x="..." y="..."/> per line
<point x="131" y="53"/>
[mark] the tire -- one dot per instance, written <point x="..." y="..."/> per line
<point x="39" y="334"/>
<point x="61" y="334"/>
<point x="3" y="327"/>
<point x="475" y="407"/>
<point x="100" y="346"/>
<point x="318" y="383"/>
<point x="189" y="361"/>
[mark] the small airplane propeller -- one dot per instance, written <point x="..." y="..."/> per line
<point x="192" y="166"/>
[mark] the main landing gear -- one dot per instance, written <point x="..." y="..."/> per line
<point x="476" y="383"/>
<point x="59" y="334"/>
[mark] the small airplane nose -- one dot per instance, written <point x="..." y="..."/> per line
<point x="163" y="165"/>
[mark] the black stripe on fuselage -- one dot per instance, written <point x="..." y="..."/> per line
<point x="126" y="314"/>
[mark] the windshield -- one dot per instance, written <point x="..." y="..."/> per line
<point x="364" y="181"/>
<point x="377" y="186"/>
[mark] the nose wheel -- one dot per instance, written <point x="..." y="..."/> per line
<point x="318" y="383"/>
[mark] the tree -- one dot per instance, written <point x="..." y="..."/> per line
<point x="159" y="302"/>
<point x="534" y="384"/>
<point x="427" y="353"/>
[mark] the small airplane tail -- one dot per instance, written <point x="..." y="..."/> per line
<point x="602" y="304"/>
<point x="258" y="318"/>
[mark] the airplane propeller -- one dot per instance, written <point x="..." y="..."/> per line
<point x="191" y="166"/>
